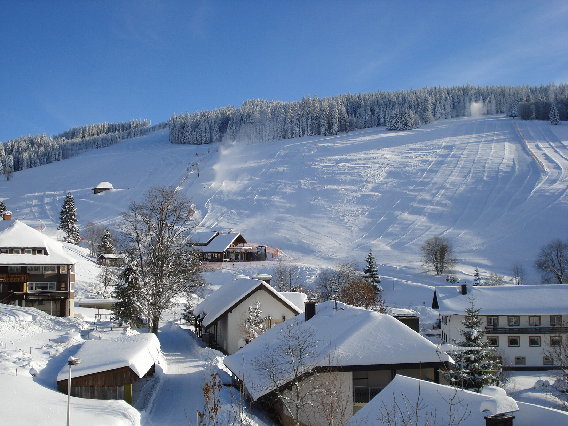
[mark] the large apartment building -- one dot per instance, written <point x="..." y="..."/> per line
<point x="524" y="323"/>
<point x="35" y="271"/>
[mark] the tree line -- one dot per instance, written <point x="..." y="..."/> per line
<point x="259" y="120"/>
<point x="35" y="150"/>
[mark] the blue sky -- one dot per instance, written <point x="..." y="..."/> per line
<point x="69" y="63"/>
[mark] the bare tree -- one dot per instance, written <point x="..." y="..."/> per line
<point x="157" y="249"/>
<point x="518" y="274"/>
<point x="359" y="292"/>
<point x="93" y="233"/>
<point x="286" y="277"/>
<point x="438" y="254"/>
<point x="330" y="282"/>
<point x="552" y="261"/>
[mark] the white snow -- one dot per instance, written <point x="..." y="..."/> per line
<point x="139" y="352"/>
<point x="505" y="300"/>
<point x="346" y="336"/>
<point x="104" y="185"/>
<point x="220" y="243"/>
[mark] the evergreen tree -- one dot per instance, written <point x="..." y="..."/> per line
<point x="254" y="324"/>
<point x="476" y="365"/>
<point x="127" y="290"/>
<point x="68" y="220"/>
<point x="106" y="246"/>
<point x="553" y="115"/>
<point x="476" y="277"/>
<point x="371" y="272"/>
<point x="2" y="207"/>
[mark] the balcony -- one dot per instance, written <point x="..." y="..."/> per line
<point x="14" y="278"/>
<point x="526" y="330"/>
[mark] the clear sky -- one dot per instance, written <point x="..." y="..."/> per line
<point x="65" y="63"/>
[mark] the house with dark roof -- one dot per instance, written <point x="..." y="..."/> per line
<point x="226" y="247"/>
<point x="220" y="318"/>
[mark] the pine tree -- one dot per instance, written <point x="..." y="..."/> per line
<point x="553" y="115"/>
<point x="476" y="277"/>
<point x="371" y="272"/>
<point x="476" y="365"/>
<point x="68" y="220"/>
<point x="254" y="324"/>
<point x="106" y="246"/>
<point x="127" y="289"/>
<point x="2" y="207"/>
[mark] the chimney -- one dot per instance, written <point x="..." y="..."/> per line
<point x="464" y="289"/>
<point x="7" y="215"/>
<point x="309" y="309"/>
<point x="502" y="419"/>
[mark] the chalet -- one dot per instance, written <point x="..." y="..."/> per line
<point x="219" y="319"/>
<point x="110" y="259"/>
<point x="226" y="247"/>
<point x="407" y="400"/>
<point x="522" y="322"/>
<point x="102" y="186"/>
<point x="354" y="351"/>
<point x="112" y="369"/>
<point x="35" y="271"/>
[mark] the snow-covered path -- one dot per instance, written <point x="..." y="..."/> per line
<point x="179" y="393"/>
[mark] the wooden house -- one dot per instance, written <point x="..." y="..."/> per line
<point x="35" y="271"/>
<point x="111" y="369"/>
<point x="226" y="247"/>
<point x="102" y="186"/>
<point x="110" y="259"/>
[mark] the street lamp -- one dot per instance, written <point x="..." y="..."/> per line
<point x="71" y="361"/>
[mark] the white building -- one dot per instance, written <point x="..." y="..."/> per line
<point x="220" y="317"/>
<point x="341" y="357"/>
<point x="523" y="323"/>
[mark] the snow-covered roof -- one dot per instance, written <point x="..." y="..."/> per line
<point x="16" y="234"/>
<point x="296" y="297"/>
<point x="139" y="352"/>
<point x="342" y="337"/>
<point x="104" y="185"/>
<point x="438" y="404"/>
<point x="505" y="300"/>
<point x="230" y="293"/>
<point x="221" y="242"/>
<point x="202" y="237"/>
<point x="111" y="256"/>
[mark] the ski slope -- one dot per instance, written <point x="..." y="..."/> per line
<point x="496" y="187"/>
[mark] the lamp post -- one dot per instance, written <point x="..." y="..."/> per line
<point x="71" y="361"/>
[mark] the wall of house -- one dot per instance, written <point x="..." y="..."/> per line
<point x="327" y="398"/>
<point x="451" y="327"/>
<point x="233" y="329"/>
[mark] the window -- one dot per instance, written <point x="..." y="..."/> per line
<point x="28" y="251"/>
<point x="513" y="321"/>
<point x="556" y="320"/>
<point x="63" y="269"/>
<point x="547" y="360"/>
<point x="13" y="269"/>
<point x="4" y="250"/>
<point x="40" y="286"/>
<point x="50" y="269"/>
<point x="39" y="251"/>
<point x="16" y="251"/>
<point x="520" y="360"/>
<point x="534" y="341"/>
<point x="493" y="341"/>
<point x="493" y="321"/>
<point x="514" y="341"/>
<point x="34" y="269"/>
<point x="534" y="320"/>
<point x="555" y="340"/>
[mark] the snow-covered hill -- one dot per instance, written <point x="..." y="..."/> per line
<point x="496" y="187"/>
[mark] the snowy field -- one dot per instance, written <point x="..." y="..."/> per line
<point x="496" y="187"/>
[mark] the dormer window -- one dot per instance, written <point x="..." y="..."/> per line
<point x="39" y="251"/>
<point x="4" y="251"/>
<point x="28" y="251"/>
<point x="16" y="251"/>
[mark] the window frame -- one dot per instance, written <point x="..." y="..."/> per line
<point x="555" y="320"/>
<point x="511" y="319"/>
<point x="555" y="341"/>
<point x="491" y="319"/>
<point x="496" y="339"/>
<point x="547" y="360"/>
<point x="34" y="269"/>
<point x="520" y="360"/>
<point x="51" y="286"/>
<point x="537" y="338"/>
<point x="513" y="337"/>
<point x="535" y="317"/>
<point x="49" y="269"/>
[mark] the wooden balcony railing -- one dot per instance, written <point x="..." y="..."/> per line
<point x="526" y="330"/>
<point x="14" y="278"/>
